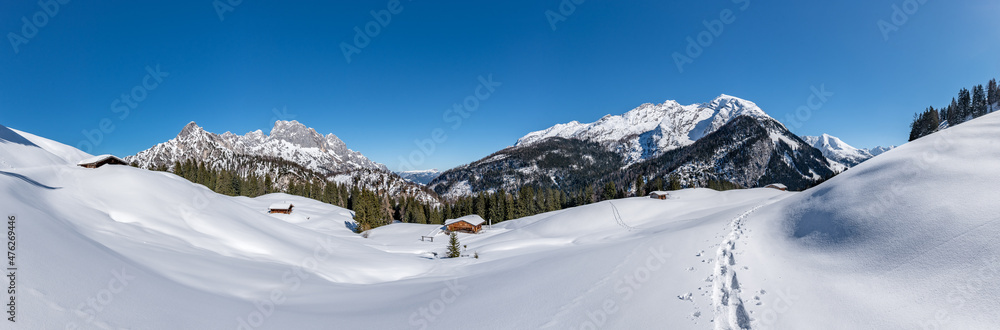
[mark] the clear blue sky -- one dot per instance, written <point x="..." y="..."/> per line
<point x="606" y="58"/>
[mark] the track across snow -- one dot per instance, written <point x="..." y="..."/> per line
<point x="730" y="314"/>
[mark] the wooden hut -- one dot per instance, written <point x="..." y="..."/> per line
<point x="777" y="186"/>
<point x="98" y="161"/>
<point x="659" y="195"/>
<point x="470" y="224"/>
<point x="282" y="208"/>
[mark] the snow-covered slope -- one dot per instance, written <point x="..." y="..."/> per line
<point x="19" y="149"/>
<point x="908" y="238"/>
<point x="845" y="155"/>
<point x="651" y="129"/>
<point x="905" y="240"/>
<point x="420" y="176"/>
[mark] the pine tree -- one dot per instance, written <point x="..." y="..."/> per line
<point x="610" y="191"/>
<point x="675" y="184"/>
<point x="658" y="184"/>
<point x="964" y="105"/>
<point x="639" y="191"/>
<point x="978" y="101"/>
<point x="992" y="94"/>
<point x="953" y="113"/>
<point x="454" y="247"/>
<point x="267" y="183"/>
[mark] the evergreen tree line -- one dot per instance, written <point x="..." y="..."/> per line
<point x="966" y="106"/>
<point x="373" y="209"/>
<point x="370" y="208"/>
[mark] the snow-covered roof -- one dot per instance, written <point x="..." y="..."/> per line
<point x="659" y="193"/>
<point x="472" y="219"/>
<point x="98" y="159"/>
<point x="777" y="185"/>
<point x="280" y="206"/>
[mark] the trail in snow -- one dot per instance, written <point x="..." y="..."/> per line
<point x="618" y="217"/>
<point x="729" y="311"/>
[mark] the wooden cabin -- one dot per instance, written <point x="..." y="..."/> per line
<point x="777" y="186"/>
<point x="98" y="161"/>
<point x="471" y="224"/>
<point x="282" y="208"/>
<point x="659" y="195"/>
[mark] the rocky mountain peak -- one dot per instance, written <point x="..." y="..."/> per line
<point x="190" y="129"/>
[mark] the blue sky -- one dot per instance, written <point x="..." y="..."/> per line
<point x="606" y="57"/>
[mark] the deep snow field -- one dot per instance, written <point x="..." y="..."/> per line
<point x="907" y="240"/>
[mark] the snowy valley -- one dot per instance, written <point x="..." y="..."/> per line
<point x="895" y="242"/>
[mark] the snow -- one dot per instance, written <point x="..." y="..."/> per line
<point x="472" y="219"/>
<point x="280" y="206"/>
<point x="904" y="240"/>
<point x="95" y="159"/>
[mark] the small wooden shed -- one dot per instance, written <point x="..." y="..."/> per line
<point x="659" y="195"/>
<point x="777" y="186"/>
<point x="98" y="161"/>
<point x="282" y="208"/>
<point x="470" y="224"/>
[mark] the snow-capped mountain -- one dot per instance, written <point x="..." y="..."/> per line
<point x="291" y="151"/>
<point x="879" y="150"/>
<point x="836" y="150"/>
<point x="727" y="139"/>
<point x="289" y="140"/>
<point x="420" y="176"/>
<point x="652" y="129"/>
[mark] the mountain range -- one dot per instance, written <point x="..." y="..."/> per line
<point x="727" y="139"/>
<point x="291" y="151"/>
<point x="844" y="155"/>
<point x="420" y="176"/>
